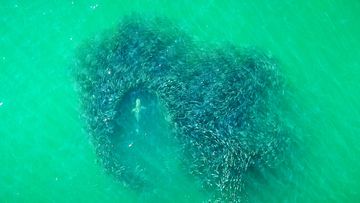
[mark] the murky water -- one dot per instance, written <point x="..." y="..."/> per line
<point x="46" y="154"/>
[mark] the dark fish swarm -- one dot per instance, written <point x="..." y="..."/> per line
<point x="222" y="101"/>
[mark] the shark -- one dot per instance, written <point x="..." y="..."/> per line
<point x="137" y="109"/>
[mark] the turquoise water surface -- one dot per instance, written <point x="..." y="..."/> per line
<point x="45" y="151"/>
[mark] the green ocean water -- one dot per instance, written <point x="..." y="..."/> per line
<point x="46" y="155"/>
